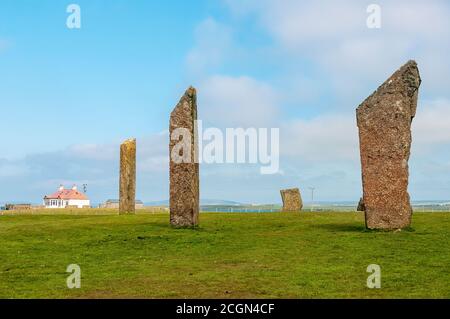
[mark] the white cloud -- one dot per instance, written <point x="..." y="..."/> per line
<point x="334" y="35"/>
<point x="94" y="151"/>
<point x="12" y="169"/>
<point x="237" y="101"/>
<point x="153" y="153"/>
<point x="298" y="24"/>
<point x="327" y="138"/>
<point x="317" y="24"/>
<point x="334" y="137"/>
<point x="212" y="44"/>
<point x="431" y="125"/>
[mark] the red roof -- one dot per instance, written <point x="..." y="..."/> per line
<point x="67" y="194"/>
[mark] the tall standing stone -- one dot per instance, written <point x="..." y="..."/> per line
<point x="127" y="192"/>
<point x="292" y="200"/>
<point x="384" y="122"/>
<point x="184" y="167"/>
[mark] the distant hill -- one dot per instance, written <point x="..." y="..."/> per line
<point x="205" y="201"/>
<point x="157" y="203"/>
<point x="220" y="202"/>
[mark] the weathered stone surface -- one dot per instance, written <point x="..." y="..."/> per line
<point x="127" y="192"/>
<point x="361" y="206"/>
<point x="292" y="200"/>
<point x="184" y="176"/>
<point x="384" y="122"/>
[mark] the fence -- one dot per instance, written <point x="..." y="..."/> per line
<point x="314" y="208"/>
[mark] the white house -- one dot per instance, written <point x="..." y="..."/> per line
<point x="67" y="198"/>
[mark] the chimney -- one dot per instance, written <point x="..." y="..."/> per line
<point x="61" y="188"/>
<point x="74" y="187"/>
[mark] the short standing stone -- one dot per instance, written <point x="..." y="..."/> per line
<point x="292" y="200"/>
<point x="127" y="192"/>
<point x="361" y="207"/>
<point x="384" y="122"/>
<point x="184" y="167"/>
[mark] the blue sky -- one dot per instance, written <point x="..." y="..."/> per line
<point x="68" y="97"/>
<point x="115" y="76"/>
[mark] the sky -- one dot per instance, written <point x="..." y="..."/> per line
<point x="68" y="97"/>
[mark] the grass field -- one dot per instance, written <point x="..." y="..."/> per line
<point x="321" y="255"/>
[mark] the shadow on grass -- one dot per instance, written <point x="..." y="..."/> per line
<point x="360" y="229"/>
<point x="167" y="226"/>
<point x="343" y="228"/>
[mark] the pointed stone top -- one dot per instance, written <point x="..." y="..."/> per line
<point x="191" y="92"/>
<point x="406" y="80"/>
<point x="187" y="103"/>
<point x="410" y="63"/>
<point x="407" y="77"/>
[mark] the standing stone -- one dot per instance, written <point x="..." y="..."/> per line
<point x="184" y="167"/>
<point x="361" y="206"/>
<point x="384" y="122"/>
<point x="292" y="200"/>
<point x="127" y="190"/>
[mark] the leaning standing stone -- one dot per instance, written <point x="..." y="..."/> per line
<point x="127" y="190"/>
<point x="292" y="200"/>
<point x="384" y="122"/>
<point x="184" y="167"/>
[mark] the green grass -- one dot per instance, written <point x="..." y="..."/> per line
<point x="321" y="255"/>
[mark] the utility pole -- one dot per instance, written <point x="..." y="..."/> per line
<point x="312" y="197"/>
